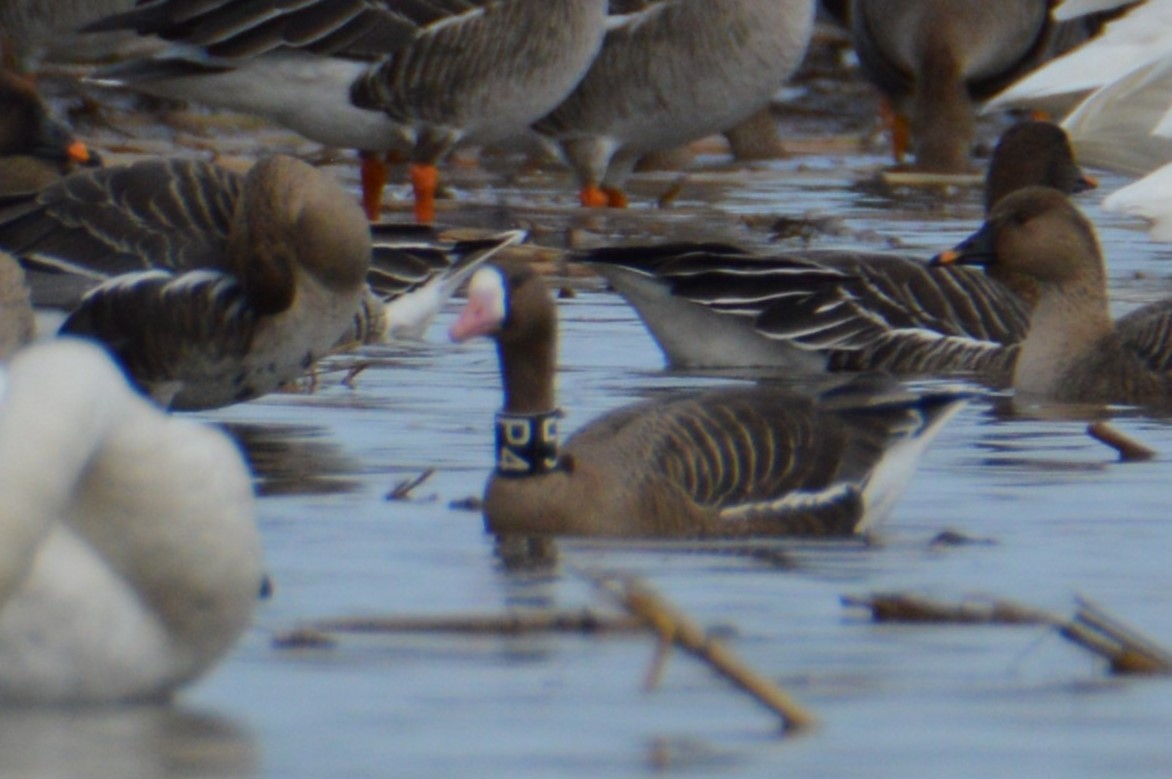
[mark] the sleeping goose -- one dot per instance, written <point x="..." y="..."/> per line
<point x="728" y="462"/>
<point x="711" y="305"/>
<point x="1073" y="351"/>
<point x="129" y="557"/>
<point x="177" y="214"/>
<point x="35" y="150"/>
<point x="375" y="76"/>
<point x="669" y="72"/>
<point x="933" y="59"/>
<point x="207" y="299"/>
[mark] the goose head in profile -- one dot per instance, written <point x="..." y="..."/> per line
<point x="35" y="150"/>
<point x="1073" y="350"/>
<point x="130" y="561"/>
<point x="740" y="461"/>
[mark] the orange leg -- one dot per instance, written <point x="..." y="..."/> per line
<point x="424" y="180"/>
<point x="615" y="198"/>
<point x="374" y="179"/>
<point x="592" y="196"/>
<point x="898" y="128"/>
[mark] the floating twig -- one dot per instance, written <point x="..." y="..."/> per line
<point x="1126" y="650"/>
<point x="906" y="607"/>
<point x="1128" y="448"/>
<point x="402" y="490"/>
<point x="677" y="628"/>
<point x="511" y="623"/>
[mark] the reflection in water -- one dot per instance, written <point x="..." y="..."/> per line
<point x="124" y="742"/>
<point x="293" y="460"/>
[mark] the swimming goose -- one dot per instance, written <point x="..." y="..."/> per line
<point x="178" y="214"/>
<point x="1073" y="351"/>
<point x="728" y="462"/>
<point x="375" y="76"/>
<point x="711" y="305"/>
<point x="669" y="72"/>
<point x="933" y="58"/>
<point x="210" y="289"/>
<point x="130" y="561"/>
<point x="35" y="150"/>
<point x="16" y="312"/>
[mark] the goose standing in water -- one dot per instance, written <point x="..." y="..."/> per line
<point x="731" y="462"/>
<point x="129" y="557"/>
<point x="376" y="76"/>
<point x="213" y="316"/>
<point x="1073" y="352"/>
<point x="669" y="72"/>
<point x="710" y="305"/>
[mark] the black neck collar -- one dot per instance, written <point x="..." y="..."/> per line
<point x="526" y="444"/>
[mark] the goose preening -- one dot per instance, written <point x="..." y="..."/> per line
<point x="130" y="561"/>
<point x="718" y="306"/>
<point x="728" y="462"/>
<point x="669" y="72"/>
<point x="1073" y="351"/>
<point x="101" y="233"/>
<point x="935" y="59"/>
<point x="373" y="76"/>
<point x="222" y="294"/>
<point x="35" y="150"/>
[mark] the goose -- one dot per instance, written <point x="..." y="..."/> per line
<point x="376" y="76"/>
<point x="130" y="561"/>
<point x="719" y="306"/>
<point x="17" y="325"/>
<point x="728" y="462"/>
<point x="35" y="150"/>
<point x="177" y="215"/>
<point x="1073" y="351"/>
<point x="669" y="72"/>
<point x="933" y="59"/>
<point x="219" y="296"/>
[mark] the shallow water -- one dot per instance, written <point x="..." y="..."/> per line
<point x="1061" y="518"/>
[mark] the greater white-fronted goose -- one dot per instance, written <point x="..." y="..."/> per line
<point x="179" y="214"/>
<point x="1073" y="351"/>
<point x="933" y="59"/>
<point x="35" y="150"/>
<point x="130" y="561"/>
<point x="217" y="296"/>
<point x="374" y="76"/>
<point x="721" y="306"/>
<point x="729" y="462"/>
<point x="17" y="325"/>
<point x="671" y="71"/>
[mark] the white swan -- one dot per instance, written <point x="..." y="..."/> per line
<point x="129" y="557"/>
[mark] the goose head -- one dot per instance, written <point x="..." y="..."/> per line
<point x="292" y="218"/>
<point x="1038" y="233"/>
<point x="510" y="304"/>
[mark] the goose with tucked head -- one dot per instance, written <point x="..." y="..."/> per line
<point x="729" y="462"/>
<point x="244" y="302"/>
<point x="130" y="561"/>
<point x="1073" y="352"/>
